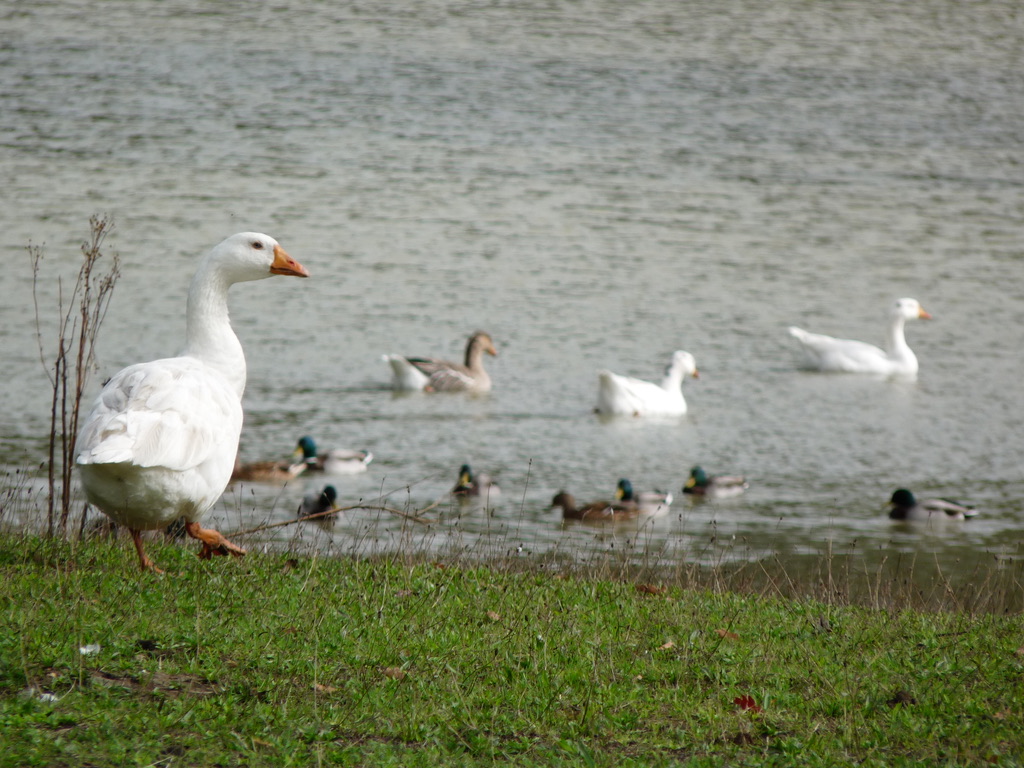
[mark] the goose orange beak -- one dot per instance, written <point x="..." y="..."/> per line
<point x="285" y="265"/>
<point x="923" y="315"/>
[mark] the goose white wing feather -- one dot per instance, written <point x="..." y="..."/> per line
<point x="828" y="353"/>
<point x="626" y="396"/>
<point x="405" y="375"/>
<point x="173" y="413"/>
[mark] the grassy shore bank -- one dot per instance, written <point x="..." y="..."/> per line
<point x="279" y="660"/>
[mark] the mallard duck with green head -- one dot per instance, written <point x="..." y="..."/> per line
<point x="338" y="461"/>
<point x="648" y="502"/>
<point x="703" y="485"/>
<point x="319" y="502"/>
<point x="472" y="484"/>
<point x="904" y="506"/>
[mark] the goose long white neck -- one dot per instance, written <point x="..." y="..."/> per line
<point x="208" y="332"/>
<point x="899" y="352"/>
<point x="678" y="369"/>
<point x="673" y="380"/>
<point x="896" y="340"/>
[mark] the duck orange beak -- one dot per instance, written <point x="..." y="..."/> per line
<point x="285" y="265"/>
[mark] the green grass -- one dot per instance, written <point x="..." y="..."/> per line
<point x="278" y="660"/>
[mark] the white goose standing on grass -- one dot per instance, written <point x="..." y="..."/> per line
<point x="432" y="374"/>
<point x="624" y="396"/>
<point x="161" y="439"/>
<point x="826" y="353"/>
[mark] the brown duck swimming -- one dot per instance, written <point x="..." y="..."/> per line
<point x="594" y="511"/>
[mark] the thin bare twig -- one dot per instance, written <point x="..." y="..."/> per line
<point x="75" y="355"/>
<point x="416" y="518"/>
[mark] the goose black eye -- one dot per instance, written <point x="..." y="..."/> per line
<point x="257" y="245"/>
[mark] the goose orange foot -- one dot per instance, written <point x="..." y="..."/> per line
<point x="144" y="561"/>
<point x="214" y="542"/>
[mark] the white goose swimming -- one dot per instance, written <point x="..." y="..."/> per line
<point x="432" y="374"/>
<point x="826" y="353"/>
<point x="625" y="396"/>
<point x="161" y="439"/>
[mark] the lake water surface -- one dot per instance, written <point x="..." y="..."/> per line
<point x="596" y="184"/>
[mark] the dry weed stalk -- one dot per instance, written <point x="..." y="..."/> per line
<point x="80" y="317"/>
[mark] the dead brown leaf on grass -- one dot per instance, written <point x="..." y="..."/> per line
<point x="171" y="685"/>
<point x="901" y="699"/>
<point x="651" y="589"/>
<point x="747" y="703"/>
<point x="742" y="739"/>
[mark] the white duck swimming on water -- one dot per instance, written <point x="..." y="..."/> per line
<point x="337" y="461"/>
<point x="904" y="506"/>
<point x="432" y="374"/>
<point x="161" y="439"/>
<point x="624" y="396"/>
<point x="825" y="353"/>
